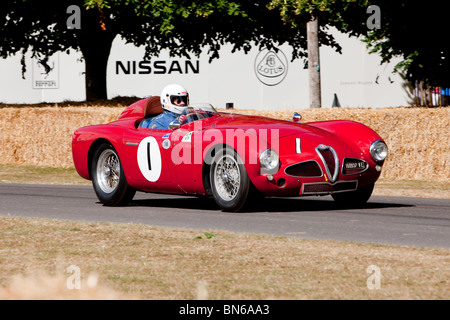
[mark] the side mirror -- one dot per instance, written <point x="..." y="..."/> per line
<point x="296" y="117"/>
<point x="175" y="124"/>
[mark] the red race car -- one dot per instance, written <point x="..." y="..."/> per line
<point x="230" y="156"/>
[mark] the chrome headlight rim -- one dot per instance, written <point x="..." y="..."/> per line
<point x="269" y="159"/>
<point x="378" y="150"/>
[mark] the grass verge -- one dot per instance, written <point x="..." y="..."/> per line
<point x="10" y="173"/>
<point x="123" y="261"/>
<point x="130" y="261"/>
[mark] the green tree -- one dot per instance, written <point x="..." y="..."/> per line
<point x="184" y="27"/>
<point x="416" y="32"/>
<point x="41" y="27"/>
<point x="319" y="15"/>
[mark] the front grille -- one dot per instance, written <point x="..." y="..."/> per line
<point x="326" y="188"/>
<point x="305" y="169"/>
<point x="330" y="161"/>
<point x="328" y="158"/>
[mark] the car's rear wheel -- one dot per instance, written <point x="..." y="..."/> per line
<point x="356" y="198"/>
<point x="108" y="177"/>
<point x="230" y="183"/>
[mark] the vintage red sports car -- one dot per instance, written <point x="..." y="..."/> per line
<point x="229" y="156"/>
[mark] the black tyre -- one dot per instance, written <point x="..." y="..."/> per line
<point x="108" y="177"/>
<point x="354" y="199"/>
<point x="230" y="183"/>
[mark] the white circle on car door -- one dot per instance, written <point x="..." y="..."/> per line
<point x="149" y="159"/>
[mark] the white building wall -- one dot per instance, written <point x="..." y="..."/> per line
<point x="352" y="76"/>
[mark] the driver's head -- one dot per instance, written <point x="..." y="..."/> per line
<point x="174" y="98"/>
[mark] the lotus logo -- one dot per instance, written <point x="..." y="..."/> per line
<point x="271" y="67"/>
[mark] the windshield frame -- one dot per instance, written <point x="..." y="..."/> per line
<point x="201" y="107"/>
<point x="196" y="112"/>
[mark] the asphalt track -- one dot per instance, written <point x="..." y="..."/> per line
<point x="415" y="222"/>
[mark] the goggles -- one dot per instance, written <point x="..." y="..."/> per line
<point x="178" y="99"/>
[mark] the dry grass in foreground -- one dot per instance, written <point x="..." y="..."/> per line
<point x="129" y="261"/>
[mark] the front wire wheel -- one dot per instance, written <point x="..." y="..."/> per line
<point x="229" y="180"/>
<point x="108" y="177"/>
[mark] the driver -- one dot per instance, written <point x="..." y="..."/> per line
<point x="174" y="100"/>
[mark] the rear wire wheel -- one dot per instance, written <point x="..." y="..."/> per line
<point x="108" y="178"/>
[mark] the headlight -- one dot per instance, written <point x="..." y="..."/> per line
<point x="269" y="159"/>
<point x="378" y="150"/>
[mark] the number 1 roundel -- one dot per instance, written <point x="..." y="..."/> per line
<point x="149" y="159"/>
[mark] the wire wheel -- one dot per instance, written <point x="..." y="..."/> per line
<point x="108" y="171"/>
<point x="354" y="199"/>
<point x="227" y="177"/>
<point x="108" y="177"/>
<point x="229" y="180"/>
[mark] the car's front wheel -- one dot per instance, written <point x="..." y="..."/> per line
<point x="356" y="198"/>
<point x="108" y="178"/>
<point x="230" y="183"/>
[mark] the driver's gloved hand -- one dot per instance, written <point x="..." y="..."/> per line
<point x="182" y="119"/>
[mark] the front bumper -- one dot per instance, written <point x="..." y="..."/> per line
<point x="319" y="176"/>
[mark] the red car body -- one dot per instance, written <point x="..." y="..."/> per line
<point x="317" y="158"/>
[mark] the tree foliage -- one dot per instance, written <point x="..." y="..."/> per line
<point x="189" y="27"/>
<point x="416" y="32"/>
<point x="419" y="34"/>
<point x="183" y="27"/>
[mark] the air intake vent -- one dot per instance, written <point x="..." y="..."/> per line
<point x="305" y="169"/>
<point x="327" y="188"/>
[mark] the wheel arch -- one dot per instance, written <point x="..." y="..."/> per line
<point x="353" y="132"/>
<point x="92" y="149"/>
<point x="207" y="161"/>
<point x="120" y="193"/>
<point x="206" y="166"/>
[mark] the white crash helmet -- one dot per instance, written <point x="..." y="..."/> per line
<point x="171" y="94"/>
